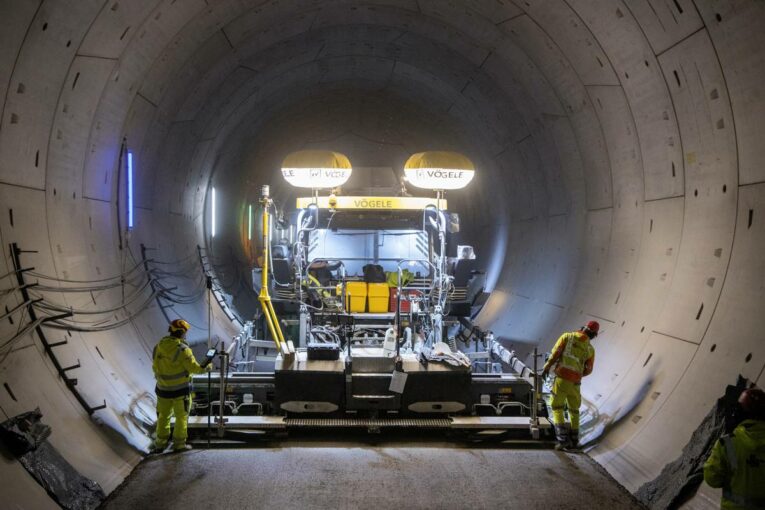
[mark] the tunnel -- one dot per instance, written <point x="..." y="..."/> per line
<point x="619" y="178"/>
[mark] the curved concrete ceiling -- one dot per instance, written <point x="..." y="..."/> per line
<point x="621" y="178"/>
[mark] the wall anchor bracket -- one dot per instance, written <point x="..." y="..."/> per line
<point x="23" y="286"/>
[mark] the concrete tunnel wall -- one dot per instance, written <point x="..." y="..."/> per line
<point x="621" y="178"/>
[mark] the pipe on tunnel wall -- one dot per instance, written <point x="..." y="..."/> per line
<point x="621" y="165"/>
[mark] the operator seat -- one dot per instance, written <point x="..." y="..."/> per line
<point x="282" y="265"/>
<point x="463" y="271"/>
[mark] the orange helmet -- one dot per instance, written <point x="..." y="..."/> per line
<point x="593" y="327"/>
<point x="179" y="325"/>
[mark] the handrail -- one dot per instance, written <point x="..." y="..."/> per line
<point x="397" y="320"/>
<point x="372" y="259"/>
<point x="389" y="259"/>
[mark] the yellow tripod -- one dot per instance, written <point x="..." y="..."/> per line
<point x="265" y="299"/>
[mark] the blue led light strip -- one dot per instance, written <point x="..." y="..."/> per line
<point x="213" y="213"/>
<point x="130" y="190"/>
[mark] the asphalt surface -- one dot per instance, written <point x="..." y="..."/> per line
<point x="310" y="475"/>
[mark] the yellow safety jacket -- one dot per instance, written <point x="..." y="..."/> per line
<point x="573" y="356"/>
<point x="392" y="278"/>
<point x="311" y="281"/>
<point x="737" y="464"/>
<point x="173" y="363"/>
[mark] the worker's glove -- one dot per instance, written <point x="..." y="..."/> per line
<point x="209" y="367"/>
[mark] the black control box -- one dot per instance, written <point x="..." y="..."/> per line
<point x="324" y="352"/>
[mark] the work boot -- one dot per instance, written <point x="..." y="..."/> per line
<point x="562" y="437"/>
<point x="182" y="447"/>
<point x="157" y="448"/>
<point x="573" y="443"/>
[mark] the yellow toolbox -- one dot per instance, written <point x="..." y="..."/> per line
<point x="378" y="295"/>
<point x="356" y="297"/>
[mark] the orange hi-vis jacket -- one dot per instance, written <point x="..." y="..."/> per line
<point x="572" y="356"/>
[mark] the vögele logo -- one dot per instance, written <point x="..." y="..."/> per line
<point x="365" y="203"/>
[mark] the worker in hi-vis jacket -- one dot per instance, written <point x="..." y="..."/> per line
<point x="737" y="462"/>
<point x="572" y="358"/>
<point x="173" y="363"/>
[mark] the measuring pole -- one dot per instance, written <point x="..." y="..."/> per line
<point x="209" y="346"/>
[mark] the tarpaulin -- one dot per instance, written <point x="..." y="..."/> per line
<point x="26" y="437"/>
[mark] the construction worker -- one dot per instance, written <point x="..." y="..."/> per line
<point x="737" y="462"/>
<point x="173" y="363"/>
<point x="573" y="358"/>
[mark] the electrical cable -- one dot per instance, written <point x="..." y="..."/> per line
<point x="193" y="325"/>
<point x="172" y="290"/>
<point x="21" y="331"/>
<point x="6" y="275"/>
<point x="130" y="277"/>
<point x="6" y="294"/>
<point x="172" y="262"/>
<point x="62" y="308"/>
<point x="46" y="288"/>
<point x="15" y="309"/>
<point x="27" y="328"/>
<point x="180" y="298"/>
<point x="173" y="274"/>
<point x="73" y="325"/>
<point x="61" y="280"/>
<point x="9" y="343"/>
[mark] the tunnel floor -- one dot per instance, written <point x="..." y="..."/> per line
<point x="400" y="476"/>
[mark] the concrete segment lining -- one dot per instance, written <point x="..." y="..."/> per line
<point x="622" y="177"/>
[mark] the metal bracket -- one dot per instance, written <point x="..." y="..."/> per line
<point x="23" y="286"/>
<point x="57" y="317"/>
<point x="98" y="408"/>
<point x="72" y="367"/>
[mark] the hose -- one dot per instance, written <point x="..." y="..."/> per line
<point x="61" y="308"/>
<point x="61" y="280"/>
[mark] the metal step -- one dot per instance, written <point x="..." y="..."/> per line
<point x="238" y="422"/>
<point x="496" y="422"/>
<point x="454" y="422"/>
<point x="440" y="423"/>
